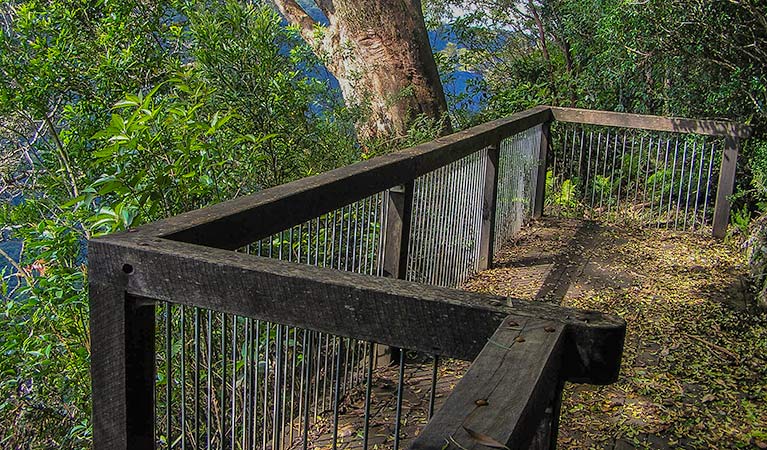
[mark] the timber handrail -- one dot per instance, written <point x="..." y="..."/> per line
<point x="654" y="123"/>
<point x="523" y="351"/>
<point x="237" y="222"/>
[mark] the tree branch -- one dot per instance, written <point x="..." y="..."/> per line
<point x="296" y="16"/>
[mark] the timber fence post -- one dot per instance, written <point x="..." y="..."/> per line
<point x="489" y="198"/>
<point x="397" y="234"/>
<point x="122" y="358"/>
<point x="540" y="188"/>
<point x="726" y="186"/>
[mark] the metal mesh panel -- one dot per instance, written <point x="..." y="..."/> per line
<point x="615" y="174"/>
<point x="447" y="216"/>
<point x="225" y="381"/>
<point x="235" y="382"/>
<point x="517" y="180"/>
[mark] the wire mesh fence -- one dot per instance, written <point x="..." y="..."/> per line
<point x="231" y="382"/>
<point x="447" y="216"/>
<point x="615" y="174"/>
<point x="517" y="179"/>
<point x="234" y="382"/>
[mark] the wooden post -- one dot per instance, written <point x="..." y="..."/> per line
<point x="726" y="186"/>
<point x="397" y="232"/>
<point x="399" y="211"/>
<point x="487" y="231"/>
<point x="540" y="188"/>
<point x="122" y="361"/>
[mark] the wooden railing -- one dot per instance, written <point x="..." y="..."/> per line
<point x="522" y="351"/>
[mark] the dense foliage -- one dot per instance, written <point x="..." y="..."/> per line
<point x="115" y="114"/>
<point x="702" y="59"/>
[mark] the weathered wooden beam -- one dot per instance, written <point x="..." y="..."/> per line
<point x="506" y="391"/>
<point x="489" y="198"/>
<point x="399" y="211"/>
<point x="122" y="361"/>
<point x="241" y="221"/>
<point x="725" y="187"/>
<point x="397" y="232"/>
<point x="393" y="312"/>
<point x="543" y="158"/>
<point x="655" y="123"/>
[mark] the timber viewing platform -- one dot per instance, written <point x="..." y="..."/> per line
<point x="322" y="313"/>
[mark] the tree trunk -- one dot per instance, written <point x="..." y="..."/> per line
<point x="544" y="45"/>
<point x="381" y="56"/>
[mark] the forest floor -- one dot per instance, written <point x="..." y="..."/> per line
<point x="694" y="371"/>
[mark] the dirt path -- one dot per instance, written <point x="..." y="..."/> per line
<point x="694" y="373"/>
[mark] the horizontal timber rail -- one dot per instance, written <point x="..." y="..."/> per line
<point x="245" y="324"/>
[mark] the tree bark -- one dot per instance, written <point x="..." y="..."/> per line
<point x="381" y="56"/>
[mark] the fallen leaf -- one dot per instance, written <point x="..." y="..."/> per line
<point x="483" y="439"/>
<point x="519" y="339"/>
<point x="481" y="402"/>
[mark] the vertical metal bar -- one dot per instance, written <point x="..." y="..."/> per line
<point x="647" y="173"/>
<point x="182" y="321"/>
<point x="209" y="379"/>
<point x="571" y="173"/>
<point x="708" y="181"/>
<point x="169" y="370"/>
<point x="233" y="401"/>
<point x="588" y="170"/>
<point x="681" y="185"/>
<point x="265" y="415"/>
<point x="246" y="378"/>
<point x="222" y="415"/>
<point x="612" y="175"/>
<point x="336" y="392"/>
<point x="700" y="177"/>
<point x="375" y="249"/>
<point x="302" y="381"/>
<point x="325" y="241"/>
<point x="543" y="151"/>
<point x="663" y="184"/>
<point x="631" y="168"/>
<point x="256" y="346"/>
<point x="604" y="172"/>
<point x="293" y="357"/>
<point x="329" y="350"/>
<point x="277" y="389"/>
<point x="655" y="177"/>
<point x="596" y="171"/>
<point x="400" y="389"/>
<point x="368" y="386"/>
<point x="673" y="176"/>
<point x="197" y="377"/>
<point x="364" y="221"/>
<point x="433" y="389"/>
<point x="620" y="179"/>
<point x="307" y="367"/>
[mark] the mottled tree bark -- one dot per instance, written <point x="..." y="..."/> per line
<point x="380" y="53"/>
